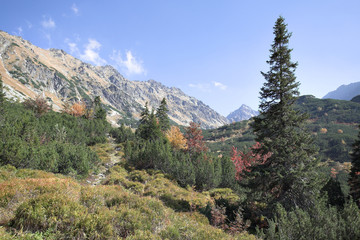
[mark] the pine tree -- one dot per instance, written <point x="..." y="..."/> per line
<point x="354" y="180"/>
<point x="100" y="112"/>
<point x="161" y="114"/>
<point x="149" y="128"/>
<point x="144" y="115"/>
<point x="288" y="175"/>
<point x="2" y="95"/>
<point x="2" y="101"/>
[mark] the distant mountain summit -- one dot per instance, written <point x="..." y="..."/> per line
<point x="28" y="71"/>
<point x="345" y="92"/>
<point x="243" y="113"/>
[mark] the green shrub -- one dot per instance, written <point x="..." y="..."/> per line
<point x="319" y="222"/>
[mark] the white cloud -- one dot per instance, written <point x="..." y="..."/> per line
<point x="19" y="31"/>
<point x="29" y="24"/>
<point x="202" y="87"/>
<point x="130" y="65"/>
<point x="48" y="23"/>
<point x="74" y="50"/>
<point x="208" y="87"/>
<point x="75" y="9"/>
<point x="91" y="52"/>
<point x="219" y="85"/>
<point x="48" y="37"/>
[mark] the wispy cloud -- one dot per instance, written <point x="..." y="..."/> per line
<point x="18" y="31"/>
<point x="219" y="85"/>
<point x="208" y="87"/>
<point x="48" y="37"/>
<point x="74" y="50"/>
<point x="91" y="52"/>
<point x="204" y="87"/>
<point x="130" y="65"/>
<point x="48" y="23"/>
<point x="75" y="9"/>
<point x="29" y="24"/>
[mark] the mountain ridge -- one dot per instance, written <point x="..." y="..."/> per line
<point x="29" y="71"/>
<point x="345" y="92"/>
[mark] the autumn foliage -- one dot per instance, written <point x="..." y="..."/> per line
<point x="77" y="109"/>
<point x="39" y="105"/>
<point x="176" y="138"/>
<point x="243" y="161"/>
<point x="194" y="138"/>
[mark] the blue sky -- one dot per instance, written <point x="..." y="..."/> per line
<point x="212" y="50"/>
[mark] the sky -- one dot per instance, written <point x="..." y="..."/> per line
<point x="211" y="50"/>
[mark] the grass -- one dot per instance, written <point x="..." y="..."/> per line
<point x="130" y="204"/>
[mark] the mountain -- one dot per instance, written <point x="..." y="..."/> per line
<point x="356" y="99"/>
<point x="28" y="71"/>
<point x="243" y="113"/>
<point x="345" y="92"/>
<point x="333" y="123"/>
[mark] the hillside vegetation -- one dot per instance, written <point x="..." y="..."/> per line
<point x="70" y="175"/>
<point x="334" y="124"/>
<point x="58" y="181"/>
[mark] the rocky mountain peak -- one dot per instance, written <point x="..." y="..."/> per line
<point x="243" y="113"/>
<point x="28" y="71"/>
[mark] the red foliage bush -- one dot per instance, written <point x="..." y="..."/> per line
<point x="243" y="161"/>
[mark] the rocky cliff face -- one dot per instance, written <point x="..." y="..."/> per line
<point x="28" y="71"/>
<point x="243" y="113"/>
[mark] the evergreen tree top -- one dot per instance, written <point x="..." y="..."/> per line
<point x="161" y="114"/>
<point x="281" y="85"/>
<point x="288" y="175"/>
<point x="2" y="95"/>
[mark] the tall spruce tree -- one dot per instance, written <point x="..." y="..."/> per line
<point x="2" y="101"/>
<point x="145" y="114"/>
<point x="354" y="180"/>
<point x="288" y="175"/>
<point x="162" y="116"/>
<point x="2" y="95"/>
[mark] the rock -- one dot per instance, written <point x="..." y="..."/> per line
<point x="31" y="70"/>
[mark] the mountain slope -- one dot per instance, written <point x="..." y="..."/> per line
<point x="242" y="113"/>
<point x="334" y="124"/>
<point x="345" y="92"/>
<point x="28" y="71"/>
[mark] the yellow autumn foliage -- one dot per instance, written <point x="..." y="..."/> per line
<point x="176" y="138"/>
<point x="323" y="130"/>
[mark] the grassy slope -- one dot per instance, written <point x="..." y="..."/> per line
<point x="128" y="203"/>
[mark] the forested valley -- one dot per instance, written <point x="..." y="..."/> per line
<point x="71" y="175"/>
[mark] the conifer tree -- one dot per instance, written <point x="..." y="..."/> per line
<point x="2" y="100"/>
<point x="354" y="180"/>
<point x="100" y="112"/>
<point x="2" y="95"/>
<point x="162" y="116"/>
<point x="288" y="175"/>
<point x="144" y="115"/>
<point x="148" y="129"/>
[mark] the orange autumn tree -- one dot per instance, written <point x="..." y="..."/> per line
<point x="243" y="161"/>
<point x="176" y="138"/>
<point x="77" y="109"/>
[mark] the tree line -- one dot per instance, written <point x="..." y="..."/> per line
<point x="281" y="188"/>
